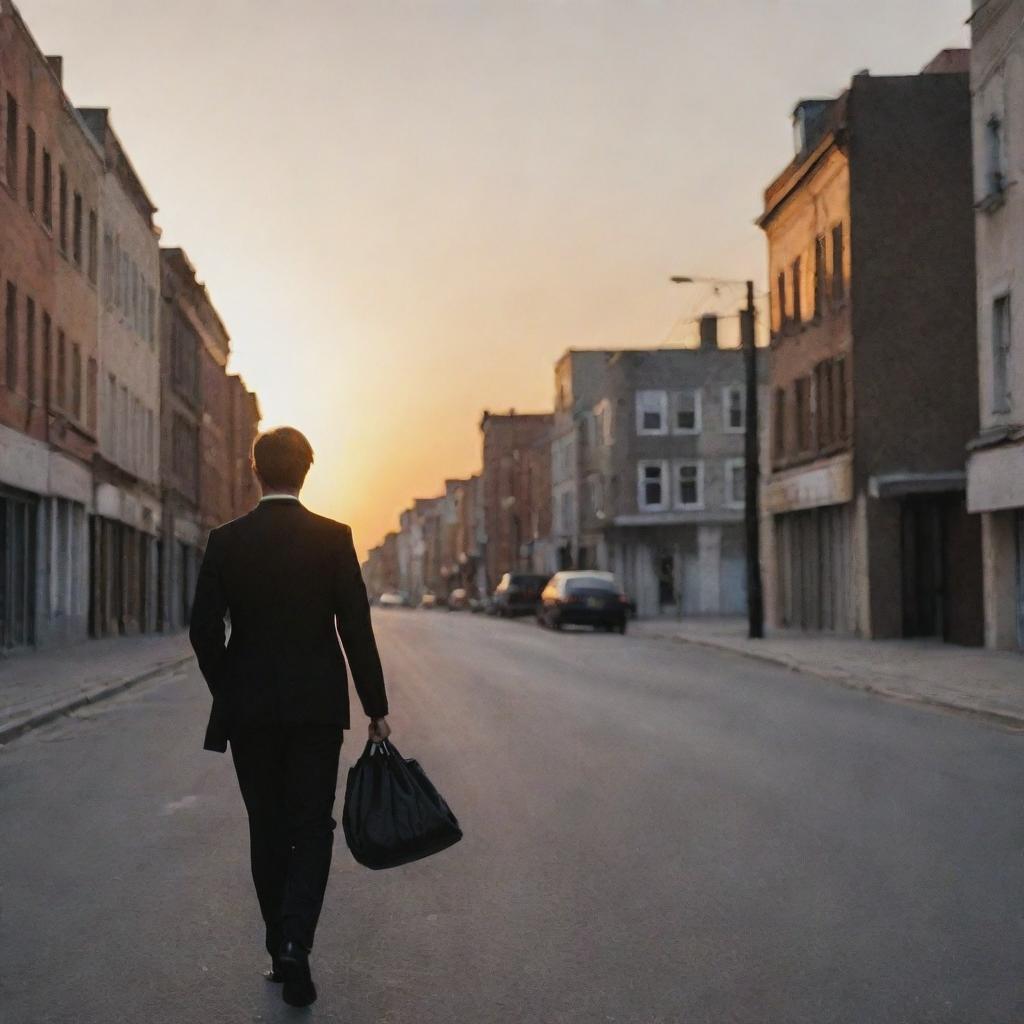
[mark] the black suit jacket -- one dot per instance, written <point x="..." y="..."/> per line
<point x="285" y="578"/>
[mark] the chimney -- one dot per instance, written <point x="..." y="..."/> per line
<point x="708" y="331"/>
<point x="57" y="67"/>
<point x="810" y="122"/>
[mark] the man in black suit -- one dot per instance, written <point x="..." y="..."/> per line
<point x="290" y="585"/>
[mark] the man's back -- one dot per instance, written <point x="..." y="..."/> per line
<point x="286" y="578"/>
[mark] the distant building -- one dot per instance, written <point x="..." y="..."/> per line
<point x="873" y="382"/>
<point x="51" y="172"/>
<point x="647" y="476"/>
<point x="380" y="570"/>
<point x="995" y="469"/>
<point x="516" y="499"/>
<point x="126" y="521"/>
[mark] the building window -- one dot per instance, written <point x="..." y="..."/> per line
<point x="11" y="165"/>
<point x="819" y="277"/>
<point x="689" y="484"/>
<point x="47" y="359"/>
<point x="30" y="167"/>
<point x="779" y="423"/>
<point x="1001" y="354"/>
<point x="802" y="412"/>
<point x="62" y="372"/>
<point x="686" y="413"/>
<point x="842" y="422"/>
<point x="47" y="189"/>
<point x="994" y="177"/>
<point x="735" y="482"/>
<point x="652" y="412"/>
<point x="825" y="402"/>
<point x="94" y="245"/>
<point x="76" y="381"/>
<point x="11" y="337"/>
<point x="92" y="398"/>
<point x="62" y="212"/>
<point x="30" y="349"/>
<point x="838" y="281"/>
<point x="651" y="479"/>
<point x="76" y="230"/>
<point x="798" y="315"/>
<point x="780" y="298"/>
<point x="734" y="409"/>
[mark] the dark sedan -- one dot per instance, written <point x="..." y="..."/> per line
<point x="584" y="599"/>
<point x="518" y="593"/>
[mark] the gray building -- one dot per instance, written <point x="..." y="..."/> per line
<point x="647" y="473"/>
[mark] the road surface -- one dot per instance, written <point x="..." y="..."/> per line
<point x="655" y="833"/>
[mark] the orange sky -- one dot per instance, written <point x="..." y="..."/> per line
<point x="405" y="210"/>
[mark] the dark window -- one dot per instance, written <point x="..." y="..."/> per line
<point x="63" y="211"/>
<point x="798" y="315"/>
<point x="92" y="398"/>
<point x="842" y="419"/>
<point x="30" y="167"/>
<point x="30" y="349"/>
<point x="76" y="235"/>
<point x="12" y="141"/>
<point x="825" y="402"/>
<point x="819" y="276"/>
<point x="11" y="337"/>
<point x="780" y="298"/>
<point x="62" y="371"/>
<point x="802" y="414"/>
<point x="185" y="451"/>
<point x="838" y="281"/>
<point x="185" y="363"/>
<point x="780" y="422"/>
<point x="76" y="381"/>
<point x="94" y="243"/>
<point x="47" y="359"/>
<point x="47" y="189"/>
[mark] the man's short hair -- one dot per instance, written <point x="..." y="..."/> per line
<point x="282" y="457"/>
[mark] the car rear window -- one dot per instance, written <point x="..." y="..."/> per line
<point x="529" y="581"/>
<point x="582" y="583"/>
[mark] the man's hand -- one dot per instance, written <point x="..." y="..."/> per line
<point x="379" y="730"/>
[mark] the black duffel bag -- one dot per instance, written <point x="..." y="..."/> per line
<point x="393" y="814"/>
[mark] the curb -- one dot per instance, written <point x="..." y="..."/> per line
<point x="1001" y="718"/>
<point x="34" y="719"/>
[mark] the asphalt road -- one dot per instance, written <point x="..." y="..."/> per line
<point x="654" y="833"/>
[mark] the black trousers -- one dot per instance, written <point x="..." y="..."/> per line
<point x="288" y="776"/>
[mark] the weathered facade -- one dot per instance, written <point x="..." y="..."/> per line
<point x="516" y="483"/>
<point x="648" y="473"/>
<point x="50" y="187"/>
<point x="873" y="377"/>
<point x="125" y="525"/>
<point x="995" y="486"/>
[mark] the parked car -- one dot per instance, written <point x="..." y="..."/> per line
<point x="584" y="599"/>
<point x="518" y="593"/>
<point x="458" y="600"/>
<point x="393" y="599"/>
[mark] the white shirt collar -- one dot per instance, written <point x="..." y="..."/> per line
<point x="279" y="497"/>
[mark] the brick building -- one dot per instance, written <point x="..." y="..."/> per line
<point x="516" y="499"/>
<point x="125" y="526"/>
<point x="873" y="382"/>
<point x="996" y="465"/>
<point x="50" y="187"/>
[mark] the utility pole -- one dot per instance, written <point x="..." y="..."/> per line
<point x="752" y="482"/>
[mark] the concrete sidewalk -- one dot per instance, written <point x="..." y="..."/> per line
<point x="965" y="679"/>
<point x="37" y="686"/>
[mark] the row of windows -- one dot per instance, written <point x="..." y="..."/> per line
<point x="812" y="414"/>
<point x="77" y="233"/>
<point x="129" y="429"/>
<point x="52" y="377"/>
<point x="664" y="485"/>
<point x="828" y="284"/>
<point x="680" y="411"/>
<point x="125" y="287"/>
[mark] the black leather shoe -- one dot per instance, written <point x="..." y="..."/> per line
<point x="293" y="965"/>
